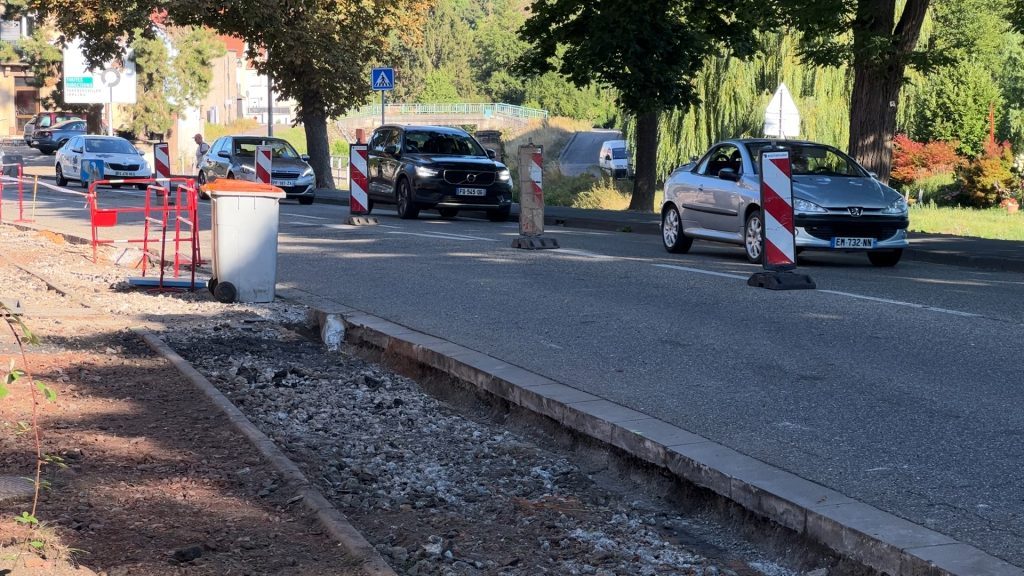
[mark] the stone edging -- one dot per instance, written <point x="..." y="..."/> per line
<point x="852" y="529"/>
<point x="333" y="521"/>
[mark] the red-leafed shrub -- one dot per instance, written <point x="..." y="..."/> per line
<point x="989" y="178"/>
<point x="913" y="161"/>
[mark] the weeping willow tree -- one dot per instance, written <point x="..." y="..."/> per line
<point x="734" y="94"/>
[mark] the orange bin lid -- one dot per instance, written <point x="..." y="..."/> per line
<point x="229" y="186"/>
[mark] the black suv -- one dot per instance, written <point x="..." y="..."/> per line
<point x="434" y="167"/>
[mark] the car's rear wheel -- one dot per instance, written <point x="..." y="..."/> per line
<point x="407" y="209"/>
<point x="499" y="215"/>
<point x="448" y="212"/>
<point x="672" y="232"/>
<point x="61" y="180"/>
<point x="753" y="237"/>
<point x="201" y="180"/>
<point x="885" y="258"/>
<point x="305" y="200"/>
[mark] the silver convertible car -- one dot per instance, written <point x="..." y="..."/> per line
<point x="837" y="204"/>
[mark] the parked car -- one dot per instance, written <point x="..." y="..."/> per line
<point x="433" y="167"/>
<point x="837" y="204"/>
<point x="47" y="120"/>
<point x="235" y="157"/>
<point x="120" y="159"/>
<point x="614" y="160"/>
<point x="47" y="140"/>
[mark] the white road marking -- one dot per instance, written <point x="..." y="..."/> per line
<point x="444" y="236"/>
<point x="699" y="271"/>
<point x="290" y="215"/>
<point x="837" y="293"/>
<point x="585" y="254"/>
<point x="902" y="303"/>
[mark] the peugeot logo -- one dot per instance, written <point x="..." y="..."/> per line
<point x="470" y="178"/>
<point x="856" y="210"/>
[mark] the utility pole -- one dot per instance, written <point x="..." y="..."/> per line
<point x="270" y="100"/>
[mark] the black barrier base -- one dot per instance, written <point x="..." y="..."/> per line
<point x="362" y="221"/>
<point x="781" y="281"/>
<point x="534" y="243"/>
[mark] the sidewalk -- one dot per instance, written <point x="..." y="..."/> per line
<point x="1005" y="255"/>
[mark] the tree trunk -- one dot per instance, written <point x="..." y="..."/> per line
<point x="94" y="120"/>
<point x="315" y="123"/>
<point x="646" y="171"/>
<point x="873" y="117"/>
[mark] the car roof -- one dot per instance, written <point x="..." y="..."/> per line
<point x="68" y="121"/>
<point x="103" y="137"/>
<point x="426" y="128"/>
<point x="251" y="138"/>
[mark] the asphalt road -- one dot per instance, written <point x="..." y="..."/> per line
<point x="580" y="155"/>
<point x="899" y="387"/>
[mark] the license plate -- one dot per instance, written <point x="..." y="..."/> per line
<point x="119" y="173"/>
<point x="471" y="191"/>
<point x="283" y="182"/>
<point x="853" y="242"/>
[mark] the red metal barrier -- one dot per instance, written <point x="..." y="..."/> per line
<point x="21" y="192"/>
<point x="168" y="203"/>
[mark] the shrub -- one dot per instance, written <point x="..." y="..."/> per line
<point x="938" y="189"/>
<point x="989" y="178"/>
<point x="915" y="161"/>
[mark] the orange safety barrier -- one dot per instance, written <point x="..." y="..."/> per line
<point x="21" y="192"/>
<point x="170" y="203"/>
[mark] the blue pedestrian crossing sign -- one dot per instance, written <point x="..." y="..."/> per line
<point x="382" y="79"/>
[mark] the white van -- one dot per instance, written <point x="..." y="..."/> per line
<point x="614" y="159"/>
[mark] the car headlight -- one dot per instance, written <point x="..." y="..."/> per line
<point x="424" y="172"/>
<point x="801" y="205"/>
<point x="897" y="207"/>
<point x="307" y="173"/>
<point x="246" y="169"/>
<point x="504" y="175"/>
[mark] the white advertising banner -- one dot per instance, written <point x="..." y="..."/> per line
<point x="111" y="83"/>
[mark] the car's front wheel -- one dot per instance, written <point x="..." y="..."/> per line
<point x="407" y="209"/>
<point x="753" y="237"/>
<point x="885" y="258"/>
<point x="672" y="232"/>
<point x="201" y="181"/>
<point x="61" y="180"/>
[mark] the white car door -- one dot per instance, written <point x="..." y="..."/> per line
<point x="73" y="157"/>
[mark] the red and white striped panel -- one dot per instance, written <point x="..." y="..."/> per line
<point x="358" y="200"/>
<point x="162" y="160"/>
<point x="264" y="154"/>
<point x="777" y="198"/>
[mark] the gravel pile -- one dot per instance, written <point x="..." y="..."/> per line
<point x="438" y="490"/>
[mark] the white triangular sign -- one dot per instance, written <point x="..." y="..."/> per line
<point x="382" y="81"/>
<point x="782" y="118"/>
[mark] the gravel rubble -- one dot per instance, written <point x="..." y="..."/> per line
<point x="439" y="490"/>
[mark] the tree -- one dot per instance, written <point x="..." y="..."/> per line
<point x="879" y="47"/>
<point x="649" y="51"/>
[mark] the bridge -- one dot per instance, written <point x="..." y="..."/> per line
<point x="485" y="116"/>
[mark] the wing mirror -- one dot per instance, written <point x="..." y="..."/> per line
<point x="729" y="174"/>
<point x="391" y="150"/>
<point x="305" y="157"/>
<point x="607" y="157"/>
<point x="224" y="154"/>
<point x="873" y="175"/>
<point x="76" y="150"/>
<point x="491" y="154"/>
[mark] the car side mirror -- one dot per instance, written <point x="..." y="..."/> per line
<point x="607" y="157"/>
<point x="491" y="154"/>
<point x="391" y="150"/>
<point x="224" y="154"/>
<point x="693" y="158"/>
<point x="141" y="153"/>
<point x="873" y="175"/>
<point x="76" y="150"/>
<point x="729" y="174"/>
<point x="304" y="157"/>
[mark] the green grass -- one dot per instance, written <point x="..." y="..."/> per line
<point x="994" y="223"/>
<point x="295" y="135"/>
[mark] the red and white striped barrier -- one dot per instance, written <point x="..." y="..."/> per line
<point x="264" y="155"/>
<point x="358" y="201"/>
<point x="777" y="194"/>
<point x="162" y="160"/>
<point x="531" y="201"/>
<point x="778" y="256"/>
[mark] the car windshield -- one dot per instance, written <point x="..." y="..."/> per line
<point x="109" y="146"/>
<point x="811" y="159"/>
<point x="618" y="153"/>
<point x="442" y="144"/>
<point x="279" y="148"/>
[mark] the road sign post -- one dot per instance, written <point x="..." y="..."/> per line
<point x="382" y="80"/>
<point x="531" y="200"/>
<point x="778" y="246"/>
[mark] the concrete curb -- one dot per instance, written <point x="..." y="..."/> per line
<point x="850" y="528"/>
<point x="333" y="521"/>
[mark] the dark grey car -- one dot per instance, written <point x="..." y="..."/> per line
<point x="48" y="140"/>
<point x="235" y="157"/>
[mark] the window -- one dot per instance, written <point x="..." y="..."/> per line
<point x="44" y="121"/>
<point x="109" y="146"/>
<point x="618" y="153"/>
<point x="443" y="144"/>
<point x="812" y="159"/>
<point x="724" y="156"/>
<point x="246" y="148"/>
<point x="379" y="137"/>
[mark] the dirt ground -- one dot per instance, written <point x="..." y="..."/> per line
<point x="151" y="480"/>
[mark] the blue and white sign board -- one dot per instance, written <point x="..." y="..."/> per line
<point x="382" y="79"/>
<point x="91" y="171"/>
<point x="114" y="82"/>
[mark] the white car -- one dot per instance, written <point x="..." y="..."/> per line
<point x="120" y="159"/>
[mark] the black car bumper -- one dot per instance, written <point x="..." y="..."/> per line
<point x="431" y="192"/>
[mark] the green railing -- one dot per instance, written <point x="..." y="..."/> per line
<point x="492" y="110"/>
